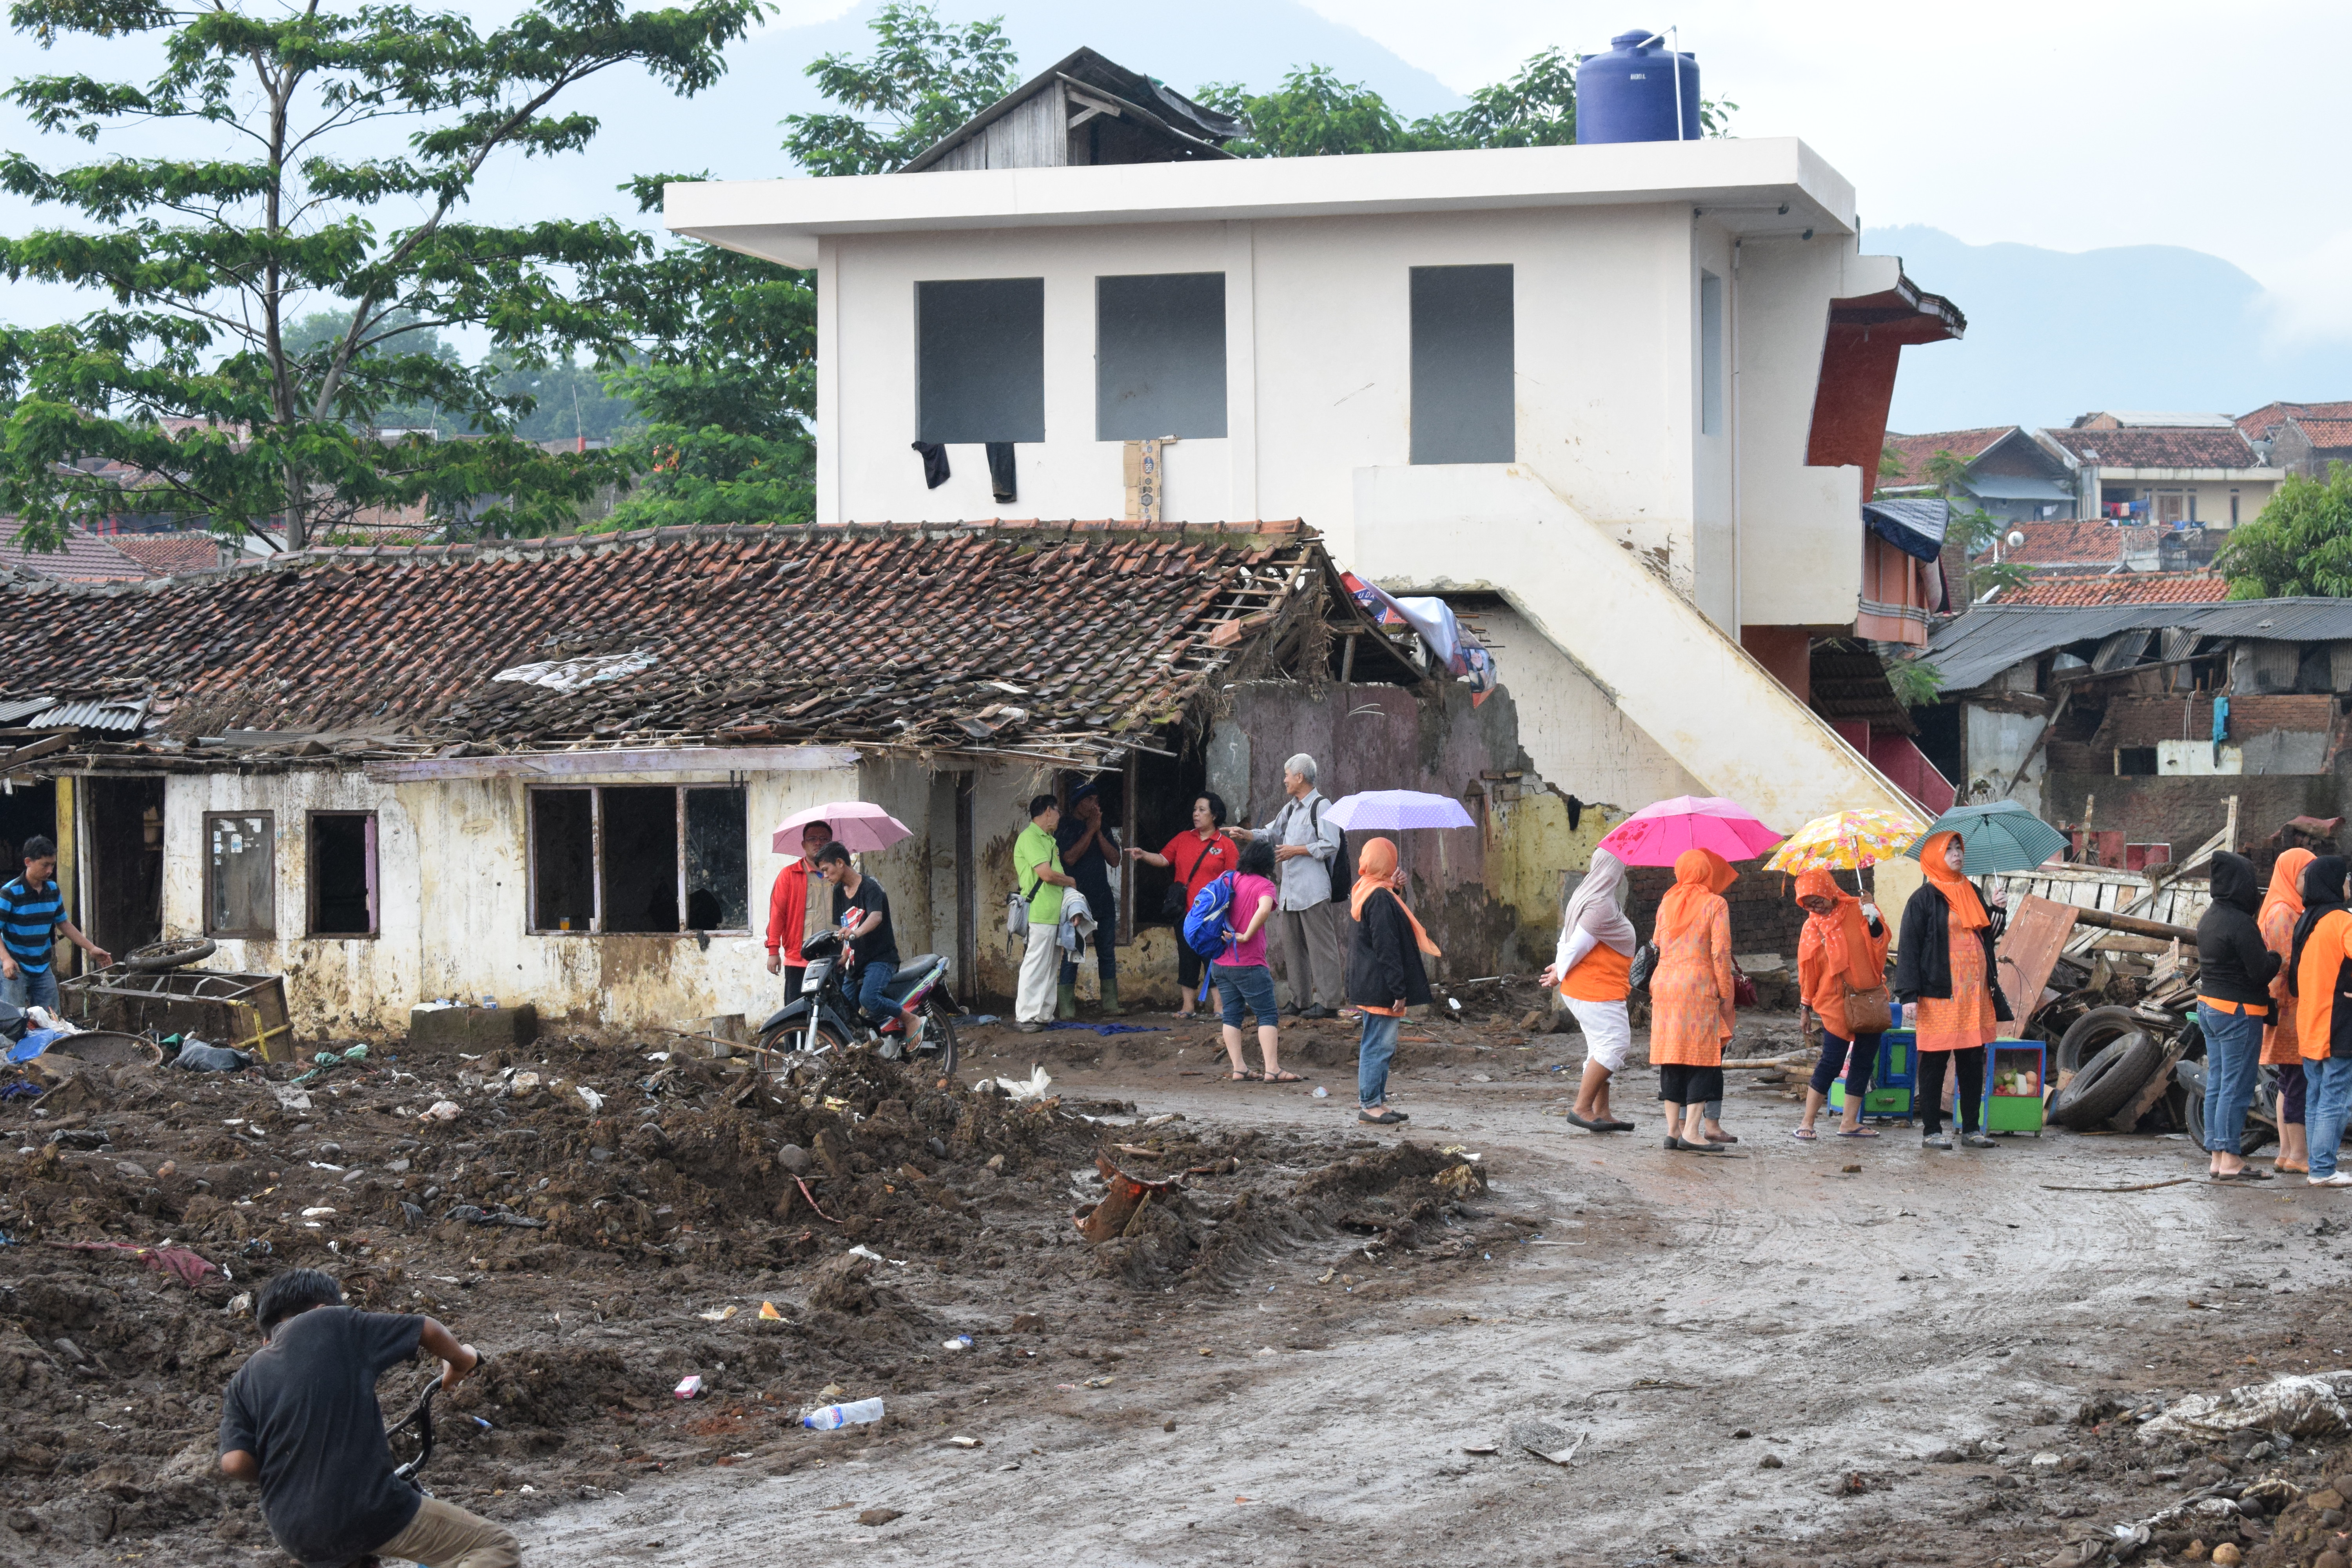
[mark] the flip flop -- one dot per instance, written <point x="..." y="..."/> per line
<point x="2243" y="1173"/>
<point x="1806" y="1134"/>
<point x="1281" y="1075"/>
<point x="1858" y="1132"/>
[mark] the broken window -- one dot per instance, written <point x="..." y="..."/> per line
<point x="1710" y="354"/>
<point x="240" y="875"/>
<point x="979" y="359"/>
<point x="633" y="858"/>
<point x="1464" y="396"/>
<point x="1159" y="356"/>
<point x="342" y="873"/>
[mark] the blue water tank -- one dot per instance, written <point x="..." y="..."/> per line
<point x="1628" y="94"/>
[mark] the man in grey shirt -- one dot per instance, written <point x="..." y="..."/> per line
<point x="1307" y="919"/>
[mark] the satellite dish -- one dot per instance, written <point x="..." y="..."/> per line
<point x="2016" y="538"/>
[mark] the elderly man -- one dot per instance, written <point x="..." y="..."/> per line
<point x="788" y="908"/>
<point x="1307" y="919"/>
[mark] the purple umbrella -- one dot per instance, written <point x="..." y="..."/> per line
<point x="1396" y="810"/>
<point x="855" y="824"/>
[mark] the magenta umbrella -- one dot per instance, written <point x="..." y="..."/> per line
<point x="855" y="824"/>
<point x="1657" y="834"/>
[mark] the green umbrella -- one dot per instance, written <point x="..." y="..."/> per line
<point x="2002" y="836"/>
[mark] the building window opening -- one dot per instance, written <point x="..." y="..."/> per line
<point x="241" y="875"/>
<point x="1159" y="356"/>
<point x="2234" y="509"/>
<point x="981" y="360"/>
<point x="634" y="859"/>
<point x="342" y="874"/>
<point x="1463" y="390"/>
<point x="1710" y="354"/>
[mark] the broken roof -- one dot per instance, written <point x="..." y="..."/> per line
<point x="1190" y="129"/>
<point x="2122" y="588"/>
<point x="1063" y="640"/>
<point x="2176" y="446"/>
<point x="1972" y="649"/>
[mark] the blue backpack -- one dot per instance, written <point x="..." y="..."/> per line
<point x="1206" y="930"/>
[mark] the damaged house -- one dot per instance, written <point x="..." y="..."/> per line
<point x="550" y="771"/>
<point x="2133" y="724"/>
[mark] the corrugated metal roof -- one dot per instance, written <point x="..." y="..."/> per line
<point x="16" y="708"/>
<point x="121" y="717"/>
<point x="1990" y="638"/>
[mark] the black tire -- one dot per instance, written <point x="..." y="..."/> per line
<point x="789" y="1040"/>
<point x="2092" y="1033"/>
<point x="942" y="1029"/>
<point x="2106" y="1082"/>
<point x="173" y="953"/>
<point x="2190" y="1077"/>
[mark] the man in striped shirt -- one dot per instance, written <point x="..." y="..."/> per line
<point x="32" y="911"/>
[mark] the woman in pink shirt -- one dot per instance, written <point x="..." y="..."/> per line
<point x="1243" y="982"/>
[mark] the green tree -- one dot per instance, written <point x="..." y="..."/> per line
<point x="283" y="200"/>
<point x="1974" y="529"/>
<point x="923" y="79"/>
<point x="2301" y="546"/>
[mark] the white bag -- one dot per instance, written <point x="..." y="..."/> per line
<point x="1016" y="914"/>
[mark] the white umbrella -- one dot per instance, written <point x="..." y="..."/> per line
<point x="855" y="824"/>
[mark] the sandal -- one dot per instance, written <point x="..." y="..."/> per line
<point x="1856" y="1132"/>
<point x="1242" y="1075"/>
<point x="1281" y="1075"/>
<point x="1806" y="1134"/>
<point x="1724" y="1137"/>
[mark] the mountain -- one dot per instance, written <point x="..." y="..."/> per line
<point x="2053" y="334"/>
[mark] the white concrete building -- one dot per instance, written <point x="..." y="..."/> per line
<point x="1637" y="391"/>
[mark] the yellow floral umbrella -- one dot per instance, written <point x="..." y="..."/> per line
<point x="1847" y="841"/>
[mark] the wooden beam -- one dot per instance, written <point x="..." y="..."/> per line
<point x="2107" y="920"/>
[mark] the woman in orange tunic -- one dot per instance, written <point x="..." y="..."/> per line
<point x="2281" y="907"/>
<point x="1690" y="996"/>
<point x="1843" y="950"/>
<point x="1944" y="977"/>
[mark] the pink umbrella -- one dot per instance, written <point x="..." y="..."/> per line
<point x="1657" y="834"/>
<point x="855" y="824"/>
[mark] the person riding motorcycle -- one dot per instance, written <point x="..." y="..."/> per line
<point x="861" y="914"/>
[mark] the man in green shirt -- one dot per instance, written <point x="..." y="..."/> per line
<point x="1037" y="863"/>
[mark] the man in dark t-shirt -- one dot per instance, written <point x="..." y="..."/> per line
<point x="862" y="910"/>
<point x="1089" y="850"/>
<point x="300" y="1418"/>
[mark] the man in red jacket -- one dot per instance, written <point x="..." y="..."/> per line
<point x="788" y="908"/>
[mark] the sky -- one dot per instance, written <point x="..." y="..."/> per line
<point x="2074" y="128"/>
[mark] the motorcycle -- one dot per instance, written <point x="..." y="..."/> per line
<point x="824" y="1016"/>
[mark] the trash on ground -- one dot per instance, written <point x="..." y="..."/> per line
<point x="198" y="1057"/>
<point x="1034" y="1087"/>
<point x="2308" y="1406"/>
<point x="827" y="1418"/>
<point x="965" y="1443"/>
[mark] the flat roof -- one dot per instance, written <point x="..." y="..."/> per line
<point x="1765" y="186"/>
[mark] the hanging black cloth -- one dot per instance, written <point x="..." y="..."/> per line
<point x="935" y="464"/>
<point x="1000" y="472"/>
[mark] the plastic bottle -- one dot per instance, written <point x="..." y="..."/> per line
<point x="833" y="1416"/>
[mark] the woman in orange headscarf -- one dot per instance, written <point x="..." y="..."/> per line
<point x="1385" y="974"/>
<point x="2281" y="907"/>
<point x="1944" y="977"/>
<point x="1841" y="950"/>
<point x="1690" y="996"/>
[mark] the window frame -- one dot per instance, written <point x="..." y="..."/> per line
<point x="374" y="869"/>
<point x="268" y="931"/>
<point x="595" y="793"/>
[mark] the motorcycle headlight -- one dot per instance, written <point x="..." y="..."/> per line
<point x="815" y="978"/>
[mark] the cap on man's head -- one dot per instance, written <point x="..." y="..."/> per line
<point x="1084" y="790"/>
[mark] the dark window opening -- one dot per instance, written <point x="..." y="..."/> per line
<point x="2135" y="762"/>
<point x="342" y="873"/>
<point x="621" y="859"/>
<point x="1159" y="356"/>
<point x="979" y="364"/>
<point x="240" y="875"/>
<point x="1463" y="394"/>
<point x="563" y="860"/>
<point x="1165" y="789"/>
<point x="640" y="861"/>
<point x="125" y="873"/>
<point x="718" y="879"/>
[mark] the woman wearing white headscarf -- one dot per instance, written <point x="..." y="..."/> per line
<point x="1593" y="968"/>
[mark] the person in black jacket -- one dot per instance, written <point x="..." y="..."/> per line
<point x="2233" y="1002"/>
<point x="1385" y="975"/>
<point x="1945" y="978"/>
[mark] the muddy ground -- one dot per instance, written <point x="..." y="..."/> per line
<point x="1298" y="1357"/>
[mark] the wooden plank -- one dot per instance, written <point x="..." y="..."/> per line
<point x="2037" y="933"/>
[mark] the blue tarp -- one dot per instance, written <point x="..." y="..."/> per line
<point x="1914" y="527"/>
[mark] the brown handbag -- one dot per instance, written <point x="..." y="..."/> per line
<point x="1870" y="1012"/>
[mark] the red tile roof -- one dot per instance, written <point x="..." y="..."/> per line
<point x="2123" y="588"/>
<point x="2327" y="434"/>
<point x="170" y="555"/>
<point x="85" y="559"/>
<point x="2270" y="416"/>
<point x="1062" y="638"/>
<point x="1916" y="450"/>
<point x="2066" y="543"/>
<point x="2158" y="447"/>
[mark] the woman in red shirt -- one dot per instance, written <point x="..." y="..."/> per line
<point x="1198" y="856"/>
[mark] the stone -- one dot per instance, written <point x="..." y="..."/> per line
<point x="793" y="1158"/>
<point x="878" y="1516"/>
<point x="1769" y="1462"/>
<point x="2227" y="1555"/>
<point x="2328" y="1497"/>
<point x="2331" y="1560"/>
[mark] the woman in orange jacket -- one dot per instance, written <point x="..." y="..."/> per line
<point x="2281" y="907"/>
<point x="1690" y="997"/>
<point x="1843" y="950"/>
